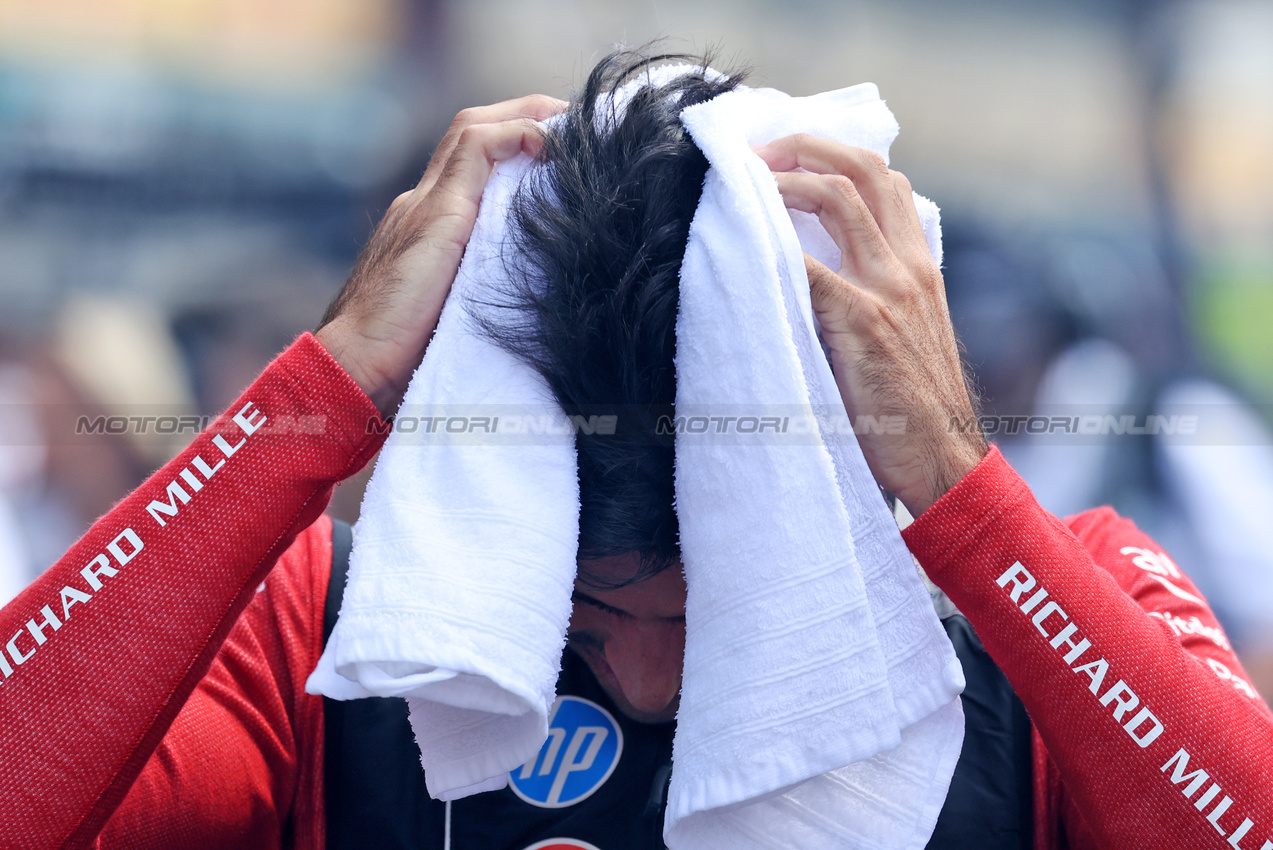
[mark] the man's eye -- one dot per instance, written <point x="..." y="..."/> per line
<point x="584" y="639"/>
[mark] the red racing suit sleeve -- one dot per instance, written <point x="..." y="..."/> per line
<point x="99" y="654"/>
<point x="241" y="767"/>
<point x="1150" y="735"/>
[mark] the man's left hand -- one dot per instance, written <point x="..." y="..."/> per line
<point x="883" y="314"/>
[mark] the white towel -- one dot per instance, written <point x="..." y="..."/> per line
<point x="458" y="593"/>
<point x="830" y="676"/>
<point x="819" y="706"/>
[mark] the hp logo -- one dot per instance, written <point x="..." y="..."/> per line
<point x="583" y="748"/>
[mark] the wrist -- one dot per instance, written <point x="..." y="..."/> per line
<point x="947" y="467"/>
<point x="337" y="339"/>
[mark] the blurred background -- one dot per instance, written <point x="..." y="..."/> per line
<point x="184" y="184"/>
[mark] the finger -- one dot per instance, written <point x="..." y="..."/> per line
<point x="452" y="203"/>
<point x="915" y="249"/>
<point x="837" y="303"/>
<point x="835" y="201"/>
<point x="867" y="169"/>
<point x="537" y="107"/>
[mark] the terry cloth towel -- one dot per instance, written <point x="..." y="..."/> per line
<point x="820" y="699"/>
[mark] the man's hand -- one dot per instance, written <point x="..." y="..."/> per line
<point x="883" y="315"/>
<point x="379" y="325"/>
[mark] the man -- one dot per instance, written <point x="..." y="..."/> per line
<point x="130" y="716"/>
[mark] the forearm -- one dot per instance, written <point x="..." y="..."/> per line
<point x="1114" y="695"/>
<point x="101" y="652"/>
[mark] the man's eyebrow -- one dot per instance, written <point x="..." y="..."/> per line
<point x="610" y="609"/>
<point x="576" y="596"/>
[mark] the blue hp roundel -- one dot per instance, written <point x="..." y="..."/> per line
<point x="583" y="748"/>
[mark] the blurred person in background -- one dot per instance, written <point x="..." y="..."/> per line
<point x="22" y="454"/>
<point x="1075" y="327"/>
<point x="238" y="759"/>
<point x="55" y="479"/>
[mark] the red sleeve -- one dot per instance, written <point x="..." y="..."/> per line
<point x="100" y="653"/>
<point x="245" y="756"/>
<point x="1154" y="738"/>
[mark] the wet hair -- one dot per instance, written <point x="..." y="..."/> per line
<point x="598" y="232"/>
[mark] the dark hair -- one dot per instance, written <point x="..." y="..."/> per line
<point x="598" y="232"/>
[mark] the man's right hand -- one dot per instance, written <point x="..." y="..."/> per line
<point x="379" y="325"/>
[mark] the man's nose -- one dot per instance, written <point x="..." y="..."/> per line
<point x="646" y="659"/>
